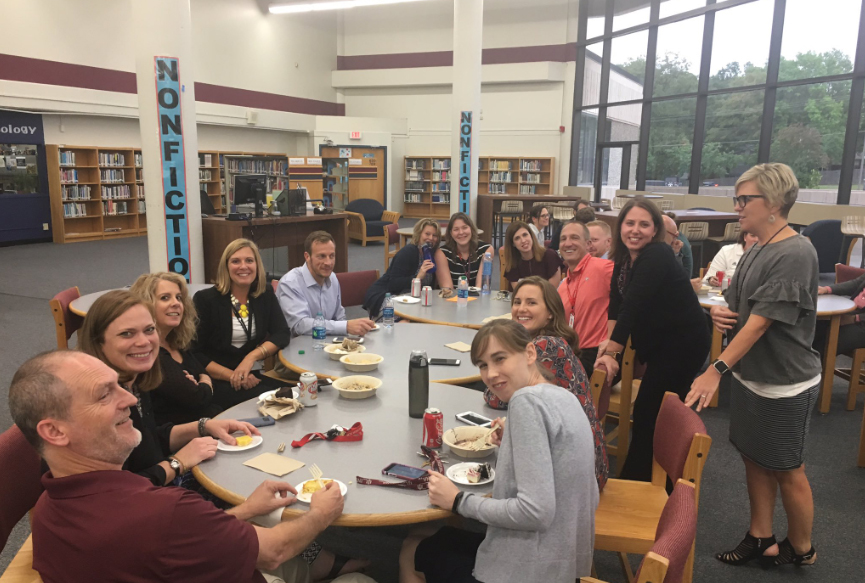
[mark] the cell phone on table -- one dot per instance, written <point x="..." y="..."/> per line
<point x="445" y="361"/>
<point x="472" y="418"/>
<point x="339" y="339"/>
<point x="404" y="472"/>
<point x="263" y="421"/>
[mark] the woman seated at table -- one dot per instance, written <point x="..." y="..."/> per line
<point x="186" y="392"/>
<point x="652" y="303"/>
<point x="540" y="219"/>
<point x="461" y="254"/>
<point x="121" y="331"/>
<point x="536" y="305"/>
<point x="407" y="264"/>
<point x="525" y="257"/>
<point x="727" y="258"/>
<point x="240" y="324"/>
<point x="540" y="519"/>
<point x="851" y="333"/>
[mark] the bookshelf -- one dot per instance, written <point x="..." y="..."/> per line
<point x="274" y="166"/>
<point x="427" y="187"/>
<point x="501" y="175"/>
<point x="210" y="177"/>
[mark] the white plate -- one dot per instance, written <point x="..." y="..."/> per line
<point x="457" y="473"/>
<point x="308" y="497"/>
<point x="266" y="394"/>
<point x="718" y="299"/>
<point x="406" y="300"/>
<point x="256" y="441"/>
<point x="374" y="328"/>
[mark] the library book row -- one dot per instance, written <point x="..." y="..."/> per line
<point x="109" y="208"/>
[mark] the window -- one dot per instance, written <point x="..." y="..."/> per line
<point x="740" y="47"/>
<point x="592" y="74"/>
<point x="677" y="60"/>
<point x="732" y="139"/>
<point x="671" y="7"/>
<point x="628" y="67"/>
<point x="817" y="43"/>
<point x="671" y="138"/>
<point x="637" y="13"/>
<point x="595" y="25"/>
<point x="19" y="169"/>
<point x="588" y="145"/>
<point x="623" y="123"/>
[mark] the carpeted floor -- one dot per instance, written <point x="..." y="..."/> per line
<point x="32" y="274"/>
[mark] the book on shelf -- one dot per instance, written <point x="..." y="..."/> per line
<point x="410" y="197"/>
<point x="112" y="208"/>
<point x="204" y="175"/>
<point x="75" y="192"/>
<point x="527" y="189"/>
<point x="206" y="160"/>
<point x="531" y="165"/>
<point x="112" y="159"/>
<point x="273" y="167"/>
<point x="67" y="158"/>
<point x="414" y="175"/>
<point x="500" y="177"/>
<point x="414" y="165"/>
<point x="531" y="178"/>
<point x="414" y="186"/>
<point x="441" y="187"/>
<point x="496" y="188"/>
<point x="500" y="165"/>
<point x="142" y="208"/>
<point x="441" y="164"/>
<point x="74" y="209"/>
<point x="140" y="190"/>
<point x="443" y="175"/>
<point x="115" y="192"/>
<point x="441" y="199"/>
<point x="139" y="159"/>
<point x="112" y="176"/>
<point x="68" y="176"/>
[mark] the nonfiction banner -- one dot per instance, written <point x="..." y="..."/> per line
<point x="465" y="160"/>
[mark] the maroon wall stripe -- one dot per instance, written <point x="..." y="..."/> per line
<point x="557" y="53"/>
<point x="29" y="70"/>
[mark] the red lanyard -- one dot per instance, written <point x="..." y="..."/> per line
<point x="335" y="433"/>
<point x="421" y="483"/>
<point x="573" y="296"/>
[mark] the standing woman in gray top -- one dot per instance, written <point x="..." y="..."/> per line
<point x="541" y="517"/>
<point x="772" y="314"/>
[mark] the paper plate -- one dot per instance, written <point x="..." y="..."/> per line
<point x="457" y="473"/>
<point x="266" y="394"/>
<point x="256" y="441"/>
<point x="307" y="498"/>
<point x="406" y="300"/>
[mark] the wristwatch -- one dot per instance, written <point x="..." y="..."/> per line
<point x="175" y="465"/>
<point x="614" y="354"/>
<point x="721" y="367"/>
<point x="201" y="423"/>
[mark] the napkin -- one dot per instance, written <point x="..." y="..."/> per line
<point x="455" y="298"/>
<point x="279" y="407"/>
<point x="502" y="317"/>
<point x="459" y="346"/>
<point x="273" y="463"/>
<point x="270" y="519"/>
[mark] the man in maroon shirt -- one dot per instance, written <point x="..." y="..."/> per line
<point x="97" y="522"/>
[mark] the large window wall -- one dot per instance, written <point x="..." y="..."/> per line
<point x="707" y="88"/>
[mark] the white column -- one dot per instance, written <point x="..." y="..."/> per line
<point x="162" y="33"/>
<point x="466" y="105"/>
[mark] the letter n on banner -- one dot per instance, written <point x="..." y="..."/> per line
<point x="465" y="160"/>
<point x="168" y="90"/>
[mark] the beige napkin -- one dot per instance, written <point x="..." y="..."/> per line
<point x="459" y="346"/>
<point x="279" y="407"/>
<point x="491" y="318"/>
<point x="274" y="464"/>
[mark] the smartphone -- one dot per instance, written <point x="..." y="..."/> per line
<point x="403" y="471"/>
<point x="472" y="418"/>
<point x="260" y="421"/>
<point x="445" y="361"/>
<point x="339" y="339"/>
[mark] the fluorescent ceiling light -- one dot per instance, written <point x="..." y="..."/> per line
<point x="296" y="7"/>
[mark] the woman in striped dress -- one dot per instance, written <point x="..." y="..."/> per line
<point x="772" y="315"/>
<point x="461" y="254"/>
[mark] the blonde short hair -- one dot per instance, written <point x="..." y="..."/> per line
<point x="420" y="226"/>
<point x="775" y="181"/>
<point x="145" y="286"/>
<point x="223" y="279"/>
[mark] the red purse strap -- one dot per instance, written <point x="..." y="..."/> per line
<point x="335" y="433"/>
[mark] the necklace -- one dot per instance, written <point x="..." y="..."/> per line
<point x="137" y="395"/>
<point x="745" y="269"/>
<point x="242" y="309"/>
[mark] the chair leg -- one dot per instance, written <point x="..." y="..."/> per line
<point x="688" y="574"/>
<point x="861" y="462"/>
<point x="855" y="386"/>
<point x="626" y="567"/>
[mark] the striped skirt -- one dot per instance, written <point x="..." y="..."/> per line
<point x="771" y="432"/>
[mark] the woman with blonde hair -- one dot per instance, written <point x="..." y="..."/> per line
<point x="460" y="255"/>
<point x="240" y="324"/>
<point x="525" y="257"/>
<point x="407" y="264"/>
<point x="186" y="391"/>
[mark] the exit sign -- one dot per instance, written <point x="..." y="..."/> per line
<point x="354" y="136"/>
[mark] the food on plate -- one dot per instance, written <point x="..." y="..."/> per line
<point x="479" y="473"/>
<point x="357" y="386"/>
<point x="465" y="443"/>
<point x="243" y="440"/>
<point x="485" y="470"/>
<point x="284" y="393"/>
<point x="473" y="475"/>
<point x="350" y="345"/>
<point x="313" y="486"/>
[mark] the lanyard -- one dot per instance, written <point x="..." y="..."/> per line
<point x="421" y="483"/>
<point x="335" y="433"/>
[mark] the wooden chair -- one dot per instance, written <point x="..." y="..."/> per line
<point x="731" y="233"/>
<point x="861" y="462"/>
<point x="629" y="512"/>
<point x="65" y="322"/>
<point x="391" y="238"/>
<point x="503" y="281"/>
<point x="696" y="233"/>
<point x="666" y="205"/>
<point x="353" y="285"/>
<point x="853" y="228"/>
<point x="857" y="384"/>
<point x="600" y="391"/>
<point x="618" y="202"/>
<point x="677" y="530"/>
<point x="367" y="218"/>
<point x="621" y="407"/>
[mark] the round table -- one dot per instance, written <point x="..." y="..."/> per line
<point x="829" y="307"/>
<point x="451" y="314"/>
<point x="390" y="435"/>
<point x="405" y="233"/>
<point x="395" y="345"/>
<point x="81" y="305"/>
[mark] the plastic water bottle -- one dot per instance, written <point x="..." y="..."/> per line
<point x="428" y="256"/>
<point x="487" y="273"/>
<point x="387" y="311"/>
<point x="463" y="292"/>
<point x="319" y="332"/>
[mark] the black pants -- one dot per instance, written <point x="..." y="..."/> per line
<point x="448" y="556"/>
<point x="225" y="396"/>
<point x="850" y="337"/>
<point x="588" y="356"/>
<point x="672" y="369"/>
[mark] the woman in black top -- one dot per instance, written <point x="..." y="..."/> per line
<point x="186" y="391"/>
<point x="407" y="264"/>
<point x="120" y="330"/>
<point x="240" y="324"/>
<point x="652" y="302"/>
<point x="525" y="257"/>
<point x="461" y="254"/>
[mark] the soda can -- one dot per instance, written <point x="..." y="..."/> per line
<point x="720" y="277"/>
<point x="415" y="288"/>
<point x="308" y="389"/>
<point x="426" y="296"/>
<point x="725" y="283"/>
<point x="433" y="427"/>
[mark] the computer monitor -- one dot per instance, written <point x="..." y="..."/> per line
<point x="251" y="189"/>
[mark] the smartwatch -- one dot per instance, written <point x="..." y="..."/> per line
<point x="615" y="355"/>
<point x="721" y="366"/>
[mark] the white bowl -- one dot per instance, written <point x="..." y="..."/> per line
<point x="372" y="382"/>
<point x="361" y="362"/>
<point x="335" y="351"/>
<point x="451" y="436"/>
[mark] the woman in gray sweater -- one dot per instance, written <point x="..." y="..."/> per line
<point x="541" y="517"/>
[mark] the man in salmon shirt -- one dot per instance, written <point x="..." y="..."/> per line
<point x="585" y="291"/>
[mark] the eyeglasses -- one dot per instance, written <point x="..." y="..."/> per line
<point x="745" y="199"/>
<point x="546" y="216"/>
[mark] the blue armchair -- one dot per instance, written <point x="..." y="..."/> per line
<point x="367" y="220"/>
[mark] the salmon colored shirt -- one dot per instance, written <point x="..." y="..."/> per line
<point x="585" y="292"/>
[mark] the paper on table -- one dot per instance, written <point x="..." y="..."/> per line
<point x="274" y="464"/>
<point x="502" y="317"/>
<point x="455" y="298"/>
<point x="459" y="346"/>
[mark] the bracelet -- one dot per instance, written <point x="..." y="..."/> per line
<point x="263" y="351"/>
<point x="201" y="423"/>
<point x="456" y="503"/>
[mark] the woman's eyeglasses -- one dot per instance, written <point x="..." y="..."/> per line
<point x="745" y="199"/>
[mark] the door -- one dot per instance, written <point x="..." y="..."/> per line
<point x="367" y="178"/>
<point x="615" y="168"/>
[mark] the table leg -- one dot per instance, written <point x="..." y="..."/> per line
<point x="862" y="443"/>
<point x="825" y="398"/>
<point x="715" y="352"/>
<point x="402" y="240"/>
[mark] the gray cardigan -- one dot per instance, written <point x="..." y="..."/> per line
<point x="851" y="288"/>
<point x="541" y="516"/>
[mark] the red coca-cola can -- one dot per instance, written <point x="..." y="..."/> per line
<point x="433" y="427"/>
<point x="426" y="296"/>
<point x="415" y="288"/>
<point x="719" y="276"/>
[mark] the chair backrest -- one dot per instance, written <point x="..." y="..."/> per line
<point x="618" y="202"/>
<point x="600" y="391"/>
<point x="392" y="235"/>
<point x="369" y="208"/>
<point x="20" y="480"/>
<point x="274" y="283"/>
<point x="674" y="537"/>
<point x="511" y="206"/>
<point x="731" y="232"/>
<point x="827" y="238"/>
<point x="681" y="443"/>
<point x="698" y="231"/>
<point x="353" y="285"/>
<point x="846" y="272"/>
<point x="65" y="322"/>
<point x="853" y="225"/>
<point x="666" y="205"/>
<point x="503" y="282"/>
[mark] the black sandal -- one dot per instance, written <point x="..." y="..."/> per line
<point x="787" y="554"/>
<point x="749" y="549"/>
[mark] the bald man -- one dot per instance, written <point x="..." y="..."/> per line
<point x="679" y="243"/>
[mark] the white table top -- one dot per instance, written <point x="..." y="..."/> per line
<point x="82" y="304"/>
<point x="444" y="312"/>
<point x="827" y="305"/>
